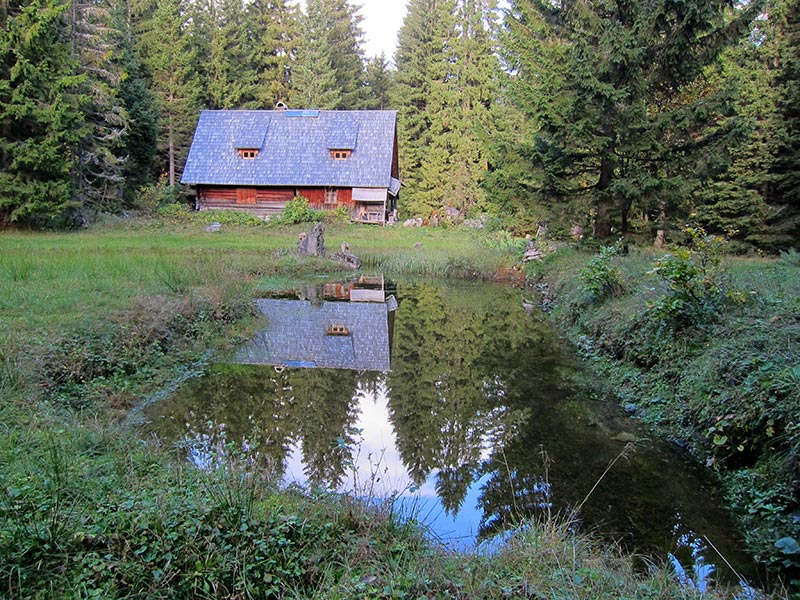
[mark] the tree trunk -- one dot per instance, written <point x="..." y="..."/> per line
<point x="602" y="226"/>
<point x="662" y="225"/>
<point x="171" y="150"/>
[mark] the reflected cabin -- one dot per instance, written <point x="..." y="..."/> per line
<point x="257" y="160"/>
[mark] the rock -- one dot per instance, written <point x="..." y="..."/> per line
<point x="312" y="244"/>
<point x="417" y="245"/>
<point x="215" y="226"/>
<point x="630" y="407"/>
<point x="624" y="437"/>
<point x="350" y="260"/>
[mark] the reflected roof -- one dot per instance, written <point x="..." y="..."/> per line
<point x="297" y="336"/>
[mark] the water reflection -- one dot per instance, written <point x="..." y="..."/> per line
<point x="474" y="426"/>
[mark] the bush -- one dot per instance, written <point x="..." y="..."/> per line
<point x="601" y="279"/>
<point x="694" y="279"/>
<point x="300" y="211"/>
<point x="175" y="212"/>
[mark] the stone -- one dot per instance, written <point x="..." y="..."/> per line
<point x="350" y="260"/>
<point x="215" y="226"/>
<point x="312" y="244"/>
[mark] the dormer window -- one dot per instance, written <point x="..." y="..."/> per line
<point x="248" y="152"/>
<point x="340" y="154"/>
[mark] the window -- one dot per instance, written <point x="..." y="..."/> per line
<point x="340" y="154"/>
<point x="331" y="196"/>
<point x="248" y="152"/>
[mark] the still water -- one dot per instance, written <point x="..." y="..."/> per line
<point x="458" y="401"/>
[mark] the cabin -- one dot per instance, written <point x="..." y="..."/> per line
<point x="257" y="160"/>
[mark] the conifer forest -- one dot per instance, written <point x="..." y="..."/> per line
<point x="604" y="116"/>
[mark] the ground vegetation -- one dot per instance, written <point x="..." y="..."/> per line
<point x="704" y="348"/>
<point x="97" y="321"/>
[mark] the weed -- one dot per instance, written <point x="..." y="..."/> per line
<point x="694" y="279"/>
<point x="790" y="258"/>
<point x="600" y="277"/>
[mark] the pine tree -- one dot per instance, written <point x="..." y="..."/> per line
<point x="39" y="115"/>
<point x="168" y="54"/>
<point x="612" y="89"/>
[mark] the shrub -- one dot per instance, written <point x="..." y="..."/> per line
<point x="694" y="279"/>
<point x="300" y="211"/>
<point x="790" y="258"/>
<point x="600" y="278"/>
<point x="228" y="217"/>
<point x="175" y="212"/>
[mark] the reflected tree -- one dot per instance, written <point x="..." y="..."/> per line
<point x="326" y="413"/>
<point x="263" y="424"/>
<point x="453" y="359"/>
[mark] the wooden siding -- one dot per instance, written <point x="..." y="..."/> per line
<point x="317" y="196"/>
<point x="262" y="202"/>
<point x="269" y="202"/>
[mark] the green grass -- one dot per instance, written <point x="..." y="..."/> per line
<point x="93" y="322"/>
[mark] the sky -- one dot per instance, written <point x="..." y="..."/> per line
<point x="382" y="21"/>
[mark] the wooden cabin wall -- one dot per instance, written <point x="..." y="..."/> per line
<point x="316" y="197"/>
<point x="262" y="202"/>
<point x="266" y="202"/>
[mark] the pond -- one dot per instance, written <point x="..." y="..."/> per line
<point x="459" y="401"/>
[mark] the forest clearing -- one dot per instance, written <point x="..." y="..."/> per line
<point x="96" y="321"/>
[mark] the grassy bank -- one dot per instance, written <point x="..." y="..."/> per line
<point x="705" y="348"/>
<point x="93" y="322"/>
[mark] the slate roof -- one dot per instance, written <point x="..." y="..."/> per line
<point x="297" y="335"/>
<point x="294" y="148"/>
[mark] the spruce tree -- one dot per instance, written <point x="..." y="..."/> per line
<point x="168" y="55"/>
<point x="141" y="137"/>
<point x="612" y="90"/>
<point x="99" y="171"/>
<point x="444" y="88"/>
<point x="787" y="159"/>
<point x="221" y="42"/>
<point x="334" y="24"/>
<point x="736" y="201"/>
<point x="422" y="40"/>
<point x="313" y="78"/>
<point x="378" y="84"/>
<point x="273" y="31"/>
<point x="39" y="116"/>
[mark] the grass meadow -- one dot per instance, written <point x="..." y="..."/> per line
<point x="93" y="322"/>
